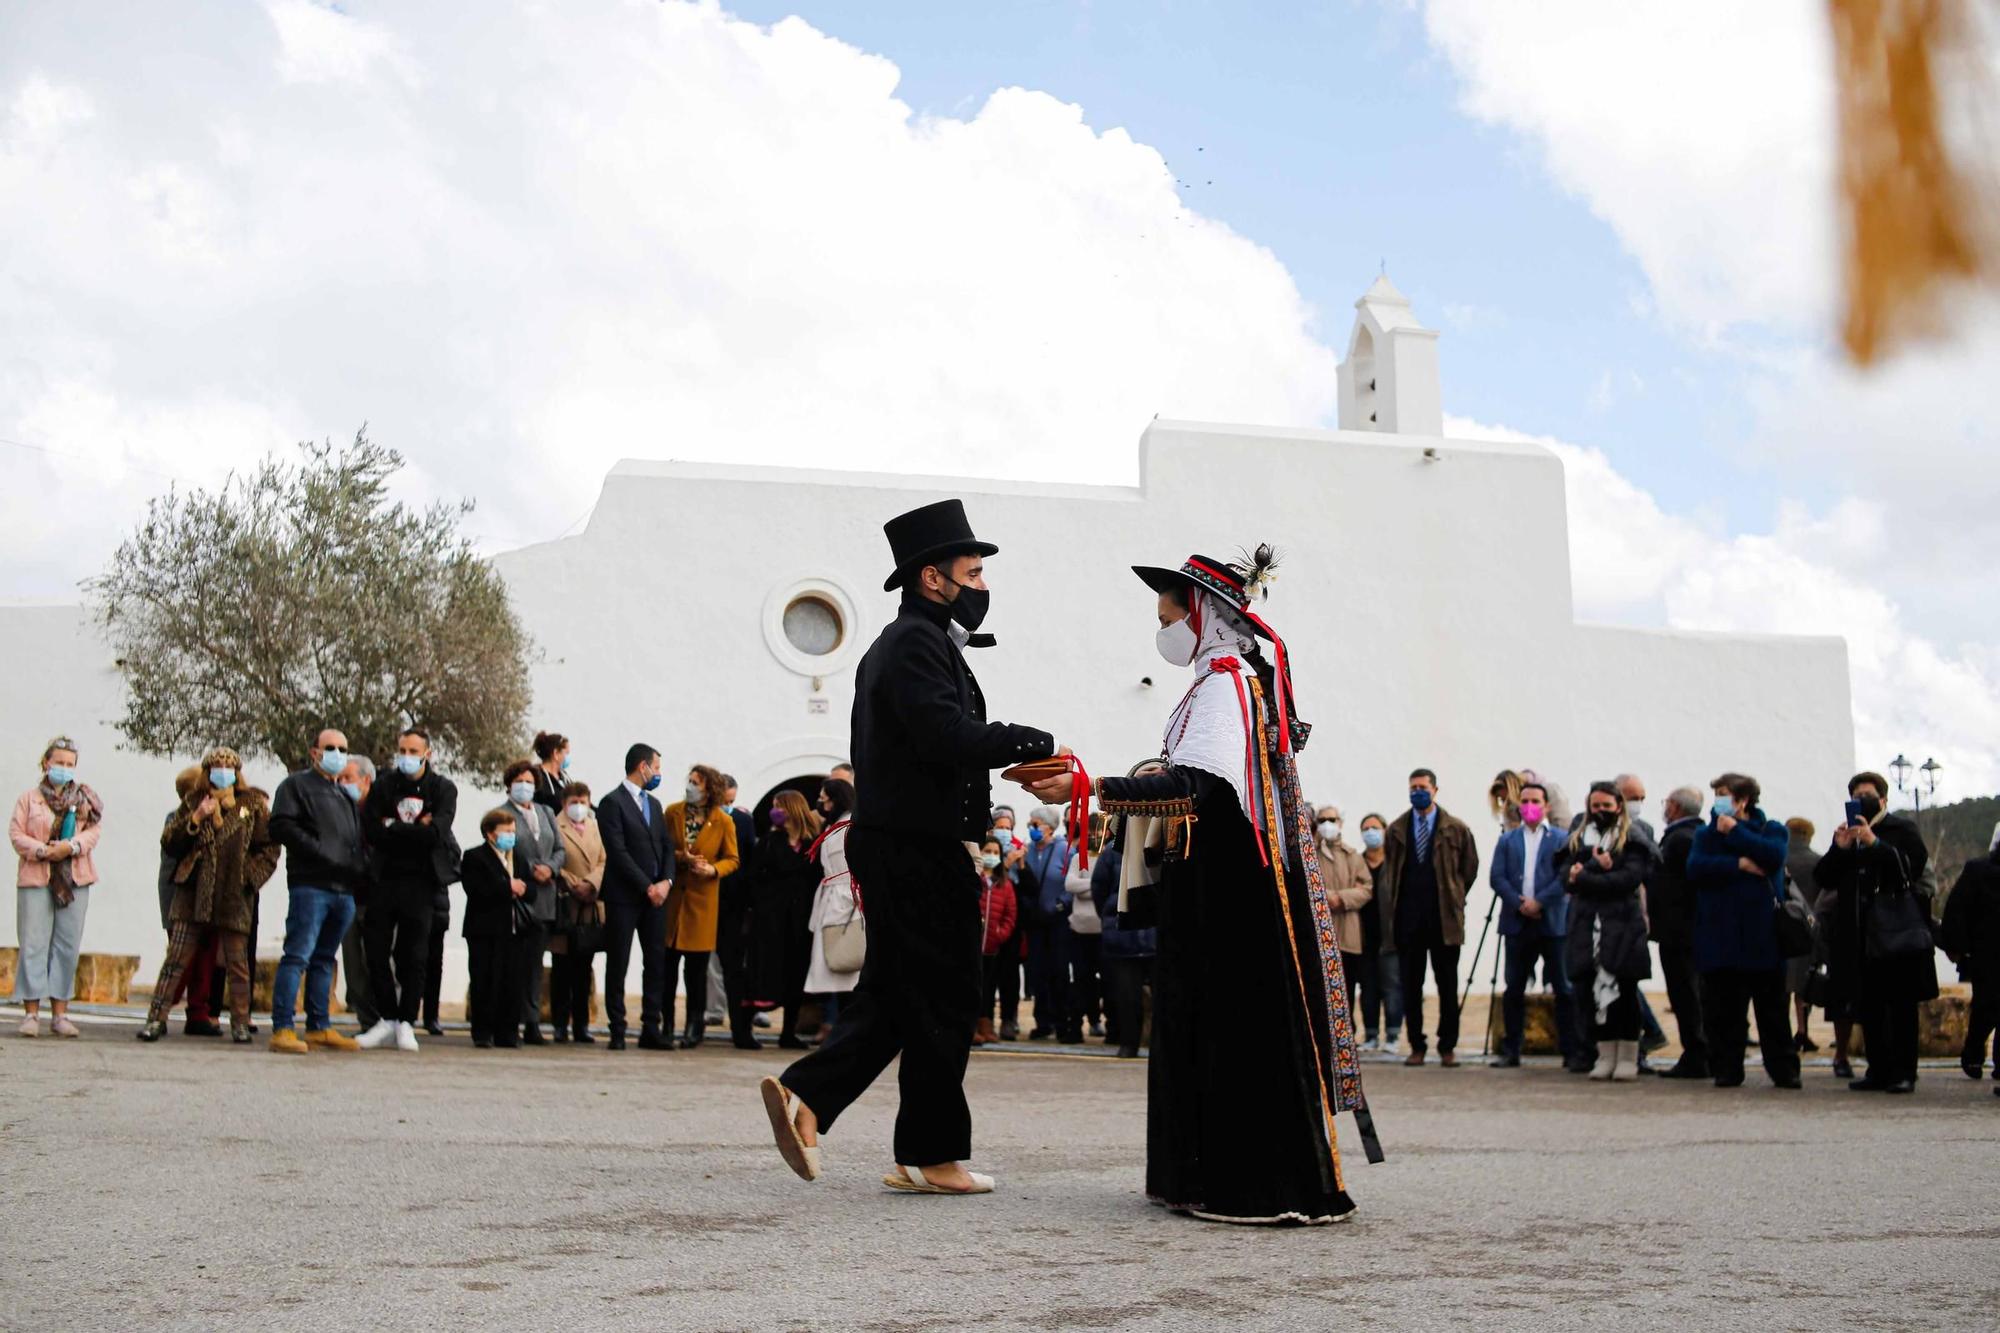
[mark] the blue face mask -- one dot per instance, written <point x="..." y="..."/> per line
<point x="1420" y="798"/>
<point x="652" y="782"/>
<point x="332" y="761"/>
<point x="1035" y="834"/>
<point x="409" y="765"/>
<point x="353" y="790"/>
<point x="564" y="768"/>
<point x="1724" y="805"/>
<point x="61" y="775"/>
<point x="504" y="840"/>
<point x="1371" y="838"/>
<point x="222" y="777"/>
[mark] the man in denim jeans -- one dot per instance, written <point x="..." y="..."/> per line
<point x="321" y="832"/>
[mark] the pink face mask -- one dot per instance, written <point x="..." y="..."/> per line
<point x="1531" y="812"/>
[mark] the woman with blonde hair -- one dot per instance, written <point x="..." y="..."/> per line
<point x="1604" y="865"/>
<point x="784" y="878"/>
<point x="54" y="831"/>
<point x="704" y="842"/>
<point x="221" y="843"/>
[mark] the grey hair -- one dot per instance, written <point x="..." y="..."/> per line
<point x="1686" y="800"/>
<point x="1626" y="779"/>
<point x="364" y="764"/>
<point x="1046" y="814"/>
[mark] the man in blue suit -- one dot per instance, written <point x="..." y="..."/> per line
<point x="638" y="870"/>
<point x="1534" y="920"/>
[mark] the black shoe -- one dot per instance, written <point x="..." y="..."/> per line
<point x="1578" y="1066"/>
<point x="582" y="1037"/>
<point x="1842" y="1069"/>
<point x="1974" y="1069"/>
<point x="1788" y="1081"/>
<point x="1010" y="1032"/>
<point x="1504" y="1062"/>
<point x="434" y="1028"/>
<point x="482" y="1043"/>
<point x="153" y="1031"/>
<point x="1653" y="1043"/>
<point x="534" y="1037"/>
<point x="789" y="1044"/>
<point x="652" y="1041"/>
<point x="1070" y="1038"/>
<point x="559" y="1037"/>
<point x="1868" y="1085"/>
<point x="689" y="1041"/>
<point x="747" y="1043"/>
<point x="1132" y="1053"/>
<point x="1686" y="1069"/>
<point x="1807" y="1045"/>
<point x="1041" y="1034"/>
<point x="1645" y="1065"/>
<point x="200" y="1027"/>
<point x="617" y="1042"/>
<point x="508" y="1043"/>
<point x="1729" y="1081"/>
<point x="1902" y="1086"/>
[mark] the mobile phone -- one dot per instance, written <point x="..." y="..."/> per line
<point x="1854" y="815"/>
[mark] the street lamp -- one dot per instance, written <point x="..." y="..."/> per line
<point x="1925" y="784"/>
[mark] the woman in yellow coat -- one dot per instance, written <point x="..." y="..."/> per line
<point x="704" y="839"/>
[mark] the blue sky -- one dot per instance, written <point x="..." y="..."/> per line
<point x="1331" y="134"/>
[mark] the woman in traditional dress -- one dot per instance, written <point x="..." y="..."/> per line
<point x="1253" y="1051"/>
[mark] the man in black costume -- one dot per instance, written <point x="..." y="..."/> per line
<point x="924" y="752"/>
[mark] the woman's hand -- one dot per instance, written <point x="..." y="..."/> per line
<point x="1724" y="823"/>
<point x="1748" y="867"/>
<point x="1575" y="871"/>
<point x="1603" y="859"/>
<point x="543" y="874"/>
<point x="517" y="887"/>
<point x="207" y="808"/>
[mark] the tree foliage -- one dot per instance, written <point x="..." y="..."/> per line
<point x="300" y="596"/>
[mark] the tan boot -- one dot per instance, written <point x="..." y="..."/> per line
<point x="982" y="1032"/>
<point x="285" y="1041"/>
<point x="330" y="1040"/>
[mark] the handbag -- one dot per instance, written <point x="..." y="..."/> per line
<point x="1792" y="917"/>
<point x="845" y="946"/>
<point x="1899" y="926"/>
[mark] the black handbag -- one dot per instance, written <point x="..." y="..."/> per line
<point x="1898" y="926"/>
<point x="580" y="921"/>
<point x="1793" y="920"/>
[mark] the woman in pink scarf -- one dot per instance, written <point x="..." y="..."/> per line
<point x="54" y="831"/>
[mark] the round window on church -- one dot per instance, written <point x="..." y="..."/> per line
<point x="812" y="625"/>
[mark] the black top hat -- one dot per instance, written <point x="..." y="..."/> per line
<point x="924" y="536"/>
<point x="1217" y="577"/>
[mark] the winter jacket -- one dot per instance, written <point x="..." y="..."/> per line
<point x="221" y="863"/>
<point x="1970" y="932"/>
<point x="320" y="830"/>
<point x="412" y="852"/>
<point x="1857" y="877"/>
<point x="996" y="913"/>
<point x="1345" y="873"/>
<point x="1040" y="880"/>
<point x="1733" y="908"/>
<point x="1456" y="858"/>
<point x="1120" y="941"/>
<point x="1607" y="924"/>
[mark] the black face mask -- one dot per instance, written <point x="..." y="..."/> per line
<point x="1871" y="806"/>
<point x="1604" y="818"/>
<point x="969" y="607"/>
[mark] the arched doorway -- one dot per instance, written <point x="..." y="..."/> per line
<point x="806" y="785"/>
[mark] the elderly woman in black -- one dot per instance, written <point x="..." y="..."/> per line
<point x="1604" y="864"/>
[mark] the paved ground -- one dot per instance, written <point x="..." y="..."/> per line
<point x="192" y="1185"/>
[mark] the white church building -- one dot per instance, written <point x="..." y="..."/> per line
<point x="758" y="589"/>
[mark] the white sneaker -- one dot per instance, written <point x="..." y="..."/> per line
<point x="406" y="1037"/>
<point x="380" y="1035"/>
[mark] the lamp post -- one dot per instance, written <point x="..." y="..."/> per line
<point x="1924" y="784"/>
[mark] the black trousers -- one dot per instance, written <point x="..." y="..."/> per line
<point x="1891" y="1028"/>
<point x="694" y="980"/>
<point x="917" y="997"/>
<point x="625" y="920"/>
<point x="1048" y="975"/>
<point x="1983" y="1019"/>
<point x="570" y="982"/>
<point x="495" y="961"/>
<point x="1621" y="1016"/>
<point x="434" y="970"/>
<point x="354" y="971"/>
<point x="534" y="943"/>
<point x="1086" y="983"/>
<point x="1443" y="959"/>
<point x="1724" y="996"/>
<point x="397" y="941"/>
<point x="1126" y="980"/>
<point x="1684" y="995"/>
<point x="732" y="945"/>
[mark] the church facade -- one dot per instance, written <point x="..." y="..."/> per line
<point x="718" y="612"/>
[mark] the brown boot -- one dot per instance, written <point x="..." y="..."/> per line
<point x="982" y="1032"/>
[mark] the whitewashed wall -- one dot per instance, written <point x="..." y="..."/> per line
<point x="1412" y="641"/>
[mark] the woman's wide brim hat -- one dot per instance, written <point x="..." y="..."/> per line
<point x="924" y="536"/>
<point x="1218" y="578"/>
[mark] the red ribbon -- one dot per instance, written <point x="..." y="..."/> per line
<point x="1076" y="823"/>
<point x="1282" y="677"/>
<point x="852" y="883"/>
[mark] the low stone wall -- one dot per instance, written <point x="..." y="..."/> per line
<point x="264" y="973"/>
<point x="101" y="978"/>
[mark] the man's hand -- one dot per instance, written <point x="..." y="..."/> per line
<point x="1531" y="908"/>
<point x="1865" y="835"/>
<point x="1843" y="837"/>
<point x="1056" y="790"/>
<point x="1724" y="823"/>
<point x="656" y="893"/>
<point x="543" y="874"/>
<point x="517" y="887"/>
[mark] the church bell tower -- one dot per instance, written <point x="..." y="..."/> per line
<point x="1389" y="381"/>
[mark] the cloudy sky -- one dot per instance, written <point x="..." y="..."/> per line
<point x="525" y="242"/>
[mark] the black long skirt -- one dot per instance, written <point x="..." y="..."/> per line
<point x="1234" y="1129"/>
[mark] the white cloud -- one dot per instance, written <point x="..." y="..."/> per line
<point x="525" y="247"/>
<point x="1632" y="561"/>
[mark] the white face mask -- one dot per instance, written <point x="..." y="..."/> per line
<point x="1177" y="642"/>
<point x="578" y="812"/>
<point x="1329" y="830"/>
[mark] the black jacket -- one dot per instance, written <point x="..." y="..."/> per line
<point x="319" y="828"/>
<point x="1605" y="904"/>
<point x="416" y="852"/>
<point x="1970" y="931"/>
<point x="923" y="750"/>
<point x="636" y="856"/>
<point x="1858" y="876"/>
<point x="1669" y="900"/>
<point x="489" y="891"/>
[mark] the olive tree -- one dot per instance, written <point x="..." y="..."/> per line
<point x="300" y="596"/>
